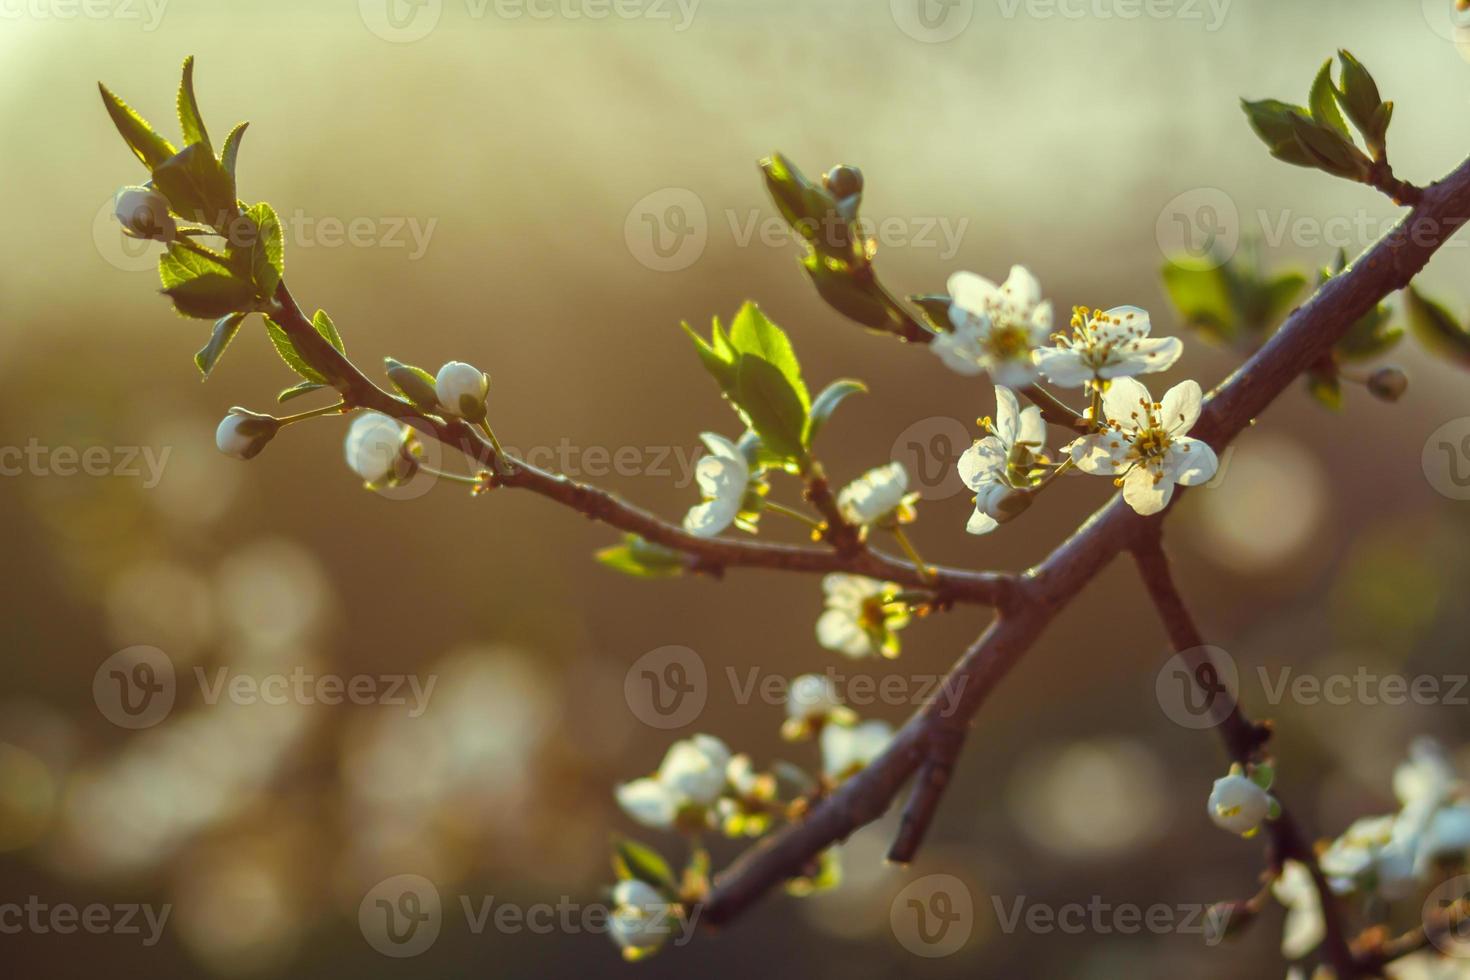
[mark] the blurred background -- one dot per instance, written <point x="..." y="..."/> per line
<point x="547" y="193"/>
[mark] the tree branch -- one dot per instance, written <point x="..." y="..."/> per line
<point x="1307" y="334"/>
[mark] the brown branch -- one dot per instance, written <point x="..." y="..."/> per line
<point x="1308" y="333"/>
<point x="1243" y="739"/>
<point x="711" y="555"/>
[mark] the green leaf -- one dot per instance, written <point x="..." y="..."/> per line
<point x="258" y="248"/>
<point x="328" y="330"/>
<point x="1323" y="100"/>
<point x="935" y="309"/>
<point x="1361" y="101"/>
<point x="211" y="296"/>
<point x="771" y="406"/>
<point x="197" y="186"/>
<point x="634" y="860"/>
<point x="190" y="121"/>
<point x="751" y="332"/>
<point x="179" y="264"/>
<point x="225" y="329"/>
<point x="1330" y="151"/>
<point x="860" y="299"/>
<point x="642" y="559"/>
<point x="1269" y="303"/>
<point x="1201" y="293"/>
<point x="415" y="384"/>
<point x="284" y="347"/>
<point x="1436" y="328"/>
<point x="1326" y="388"/>
<point x="231" y="149"/>
<point x="716" y="356"/>
<point x="296" y="391"/>
<point x="807" y="207"/>
<point x="149" y="147"/>
<point x="824" y="877"/>
<point x="826" y="403"/>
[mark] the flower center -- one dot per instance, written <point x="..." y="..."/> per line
<point x="871" y="616"/>
<point x="1151" y="444"/>
<point x="1008" y="341"/>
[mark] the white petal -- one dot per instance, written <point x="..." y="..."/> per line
<point x="648" y="802"/>
<point x="961" y="354"/>
<point x="1145" y="494"/>
<point x="980" y="463"/>
<point x="1041" y="319"/>
<point x="1120" y="325"/>
<point x="972" y="293"/>
<point x="1063" y="366"/>
<point x="1101" y="454"/>
<point x="839" y="631"/>
<point x="1021" y="289"/>
<point x="1015" y="373"/>
<point x="1191" y="462"/>
<point x="981" y="523"/>
<point x="1123" y="402"/>
<point x="1180" y="407"/>
<point x="1144" y="357"/>
<point x="1032" y="430"/>
<point x="1007" y="415"/>
<point x="711" y="517"/>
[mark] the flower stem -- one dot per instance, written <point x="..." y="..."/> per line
<point x="473" y="481"/>
<point x="314" y="413"/>
<point x="500" y="454"/>
<point x="794" y="514"/>
<point x="923" y="568"/>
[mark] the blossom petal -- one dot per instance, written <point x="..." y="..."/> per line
<point x="1014" y="373"/>
<point x="838" y="630"/>
<point x="981" y="523"/>
<point x="959" y="351"/>
<point x="1190" y="462"/>
<point x="1032" y="430"/>
<point x="1120" y="325"/>
<point x="1007" y="415"/>
<point x="973" y="294"/>
<point x="1063" y="366"/>
<point x="1101" y="454"/>
<point x="1143" y="357"/>
<point x="648" y="801"/>
<point x="1179" y="409"/>
<point x="1123" y="402"/>
<point x="711" y="517"/>
<point x="1145" y="494"/>
<point x="1021" y="290"/>
<point x="979" y="464"/>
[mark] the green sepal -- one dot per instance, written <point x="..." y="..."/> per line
<point x="826" y="403"/>
<point x="415" y="384"/>
<point x="642" y="559"/>
<point x="147" y="145"/>
<point x="225" y="329"/>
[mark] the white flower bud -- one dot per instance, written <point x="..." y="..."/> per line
<point x="642" y="918"/>
<point x="375" y="449"/>
<point x="1000" y="502"/>
<point x="694" y="770"/>
<point x="811" y="697"/>
<point x="143" y="213"/>
<point x="875" y="494"/>
<point x="846" y="750"/>
<point x="1238" y="805"/>
<point x="462" y="389"/>
<point x="243" y="433"/>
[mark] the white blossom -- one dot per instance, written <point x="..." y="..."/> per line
<point x="998" y="467"/>
<point x="243" y="434"/>
<point x="1107" y="344"/>
<point x="1305" y="927"/>
<point x="847" y="749"/>
<point x="1145" y="444"/>
<point x="642" y="918"/>
<point x="461" y="389"/>
<point x="143" y="213"/>
<point x="1238" y="804"/>
<point x="997" y="329"/>
<point x="723" y="477"/>
<point x="1374" y="853"/>
<point x="859" y="620"/>
<point x="691" y="776"/>
<point x="874" y="495"/>
<point x="376" y="448"/>
<point x="811" y="696"/>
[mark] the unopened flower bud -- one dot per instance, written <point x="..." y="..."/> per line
<point x="1238" y="804"/>
<point x="1388" y="383"/>
<point x="811" y="696"/>
<point x="377" y="449"/>
<point x="243" y="433"/>
<point x="462" y="389"/>
<point x="1001" y="502"/>
<point x="843" y="181"/>
<point x="143" y="213"/>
